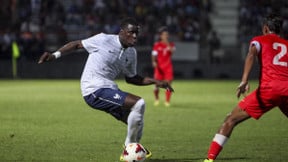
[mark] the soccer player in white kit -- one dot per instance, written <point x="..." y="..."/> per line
<point x="110" y="55"/>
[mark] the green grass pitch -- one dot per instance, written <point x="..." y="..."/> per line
<point x="47" y="120"/>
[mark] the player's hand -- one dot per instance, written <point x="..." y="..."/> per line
<point x="242" y="88"/>
<point x="46" y="57"/>
<point x="164" y="84"/>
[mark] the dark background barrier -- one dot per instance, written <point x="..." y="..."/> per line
<point x="71" y="66"/>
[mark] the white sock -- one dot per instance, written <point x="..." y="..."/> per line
<point x="220" y="139"/>
<point x="135" y="122"/>
<point x="140" y="132"/>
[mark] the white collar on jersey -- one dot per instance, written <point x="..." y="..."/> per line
<point x="122" y="49"/>
<point x="121" y="52"/>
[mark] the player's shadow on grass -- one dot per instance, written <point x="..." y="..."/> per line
<point x="171" y="160"/>
<point x="196" y="159"/>
<point x="175" y="160"/>
<point x="186" y="105"/>
<point x="235" y="159"/>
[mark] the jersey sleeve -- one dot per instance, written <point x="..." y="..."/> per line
<point x="131" y="69"/>
<point x="91" y="43"/>
<point x="256" y="43"/>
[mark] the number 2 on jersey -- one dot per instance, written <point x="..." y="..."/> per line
<point x="282" y="53"/>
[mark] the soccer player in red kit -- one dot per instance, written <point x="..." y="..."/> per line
<point x="271" y="51"/>
<point x="162" y="64"/>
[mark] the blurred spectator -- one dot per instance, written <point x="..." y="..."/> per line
<point x="251" y="13"/>
<point x="62" y="20"/>
<point x="285" y="27"/>
<point x="6" y="39"/>
<point x="31" y="44"/>
<point x="215" y="52"/>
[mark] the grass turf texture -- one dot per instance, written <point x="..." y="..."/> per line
<point x="47" y="120"/>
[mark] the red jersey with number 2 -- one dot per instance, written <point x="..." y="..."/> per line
<point x="273" y="57"/>
<point x="273" y="80"/>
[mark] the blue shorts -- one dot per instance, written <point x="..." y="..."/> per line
<point x="108" y="100"/>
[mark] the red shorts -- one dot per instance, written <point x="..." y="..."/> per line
<point x="164" y="73"/>
<point x="265" y="98"/>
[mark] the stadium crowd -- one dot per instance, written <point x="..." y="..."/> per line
<point x="38" y="25"/>
<point x="251" y="13"/>
<point x="44" y="24"/>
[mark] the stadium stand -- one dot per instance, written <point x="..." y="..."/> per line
<point x="39" y="25"/>
<point x="58" y="21"/>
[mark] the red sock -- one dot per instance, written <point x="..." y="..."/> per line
<point x="156" y="93"/>
<point x="168" y="95"/>
<point x="216" y="146"/>
<point x="214" y="150"/>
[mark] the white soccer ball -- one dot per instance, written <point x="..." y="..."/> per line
<point x="134" y="152"/>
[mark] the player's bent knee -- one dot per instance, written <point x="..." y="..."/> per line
<point x="139" y="106"/>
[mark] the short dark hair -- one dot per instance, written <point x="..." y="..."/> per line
<point x="274" y="22"/>
<point x="128" y="20"/>
<point x="162" y="29"/>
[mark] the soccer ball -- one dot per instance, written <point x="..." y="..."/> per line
<point x="134" y="152"/>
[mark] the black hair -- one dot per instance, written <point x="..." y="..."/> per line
<point x="274" y="22"/>
<point x="162" y="29"/>
<point x="128" y="20"/>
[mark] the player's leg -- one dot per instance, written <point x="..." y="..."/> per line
<point x="110" y="101"/>
<point x="254" y="105"/>
<point x="280" y="88"/>
<point x="156" y="95"/>
<point x="135" y="119"/>
<point x="284" y="106"/>
<point x="284" y="111"/>
<point x="168" y="76"/>
<point x="235" y="117"/>
<point x="123" y="106"/>
<point x="168" y="95"/>
<point x="156" y="91"/>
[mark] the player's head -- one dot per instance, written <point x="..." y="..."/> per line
<point x="163" y="33"/>
<point x="129" y="29"/>
<point x="272" y="24"/>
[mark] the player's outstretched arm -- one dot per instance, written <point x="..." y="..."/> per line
<point x="139" y="80"/>
<point x="47" y="56"/>
<point x="244" y="86"/>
